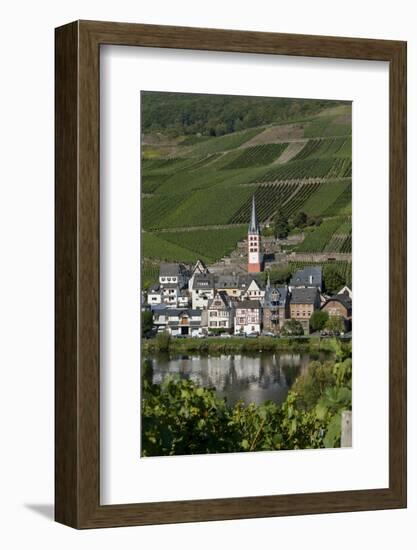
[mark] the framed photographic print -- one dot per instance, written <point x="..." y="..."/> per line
<point x="223" y="198"/>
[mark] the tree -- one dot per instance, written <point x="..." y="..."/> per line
<point x="292" y="328"/>
<point x="147" y="322"/>
<point x="279" y="276"/>
<point x="281" y="226"/>
<point x="333" y="279"/>
<point x="318" y="319"/>
<point x="300" y="220"/>
<point x="315" y="220"/>
<point x="163" y="341"/>
<point x="335" y="324"/>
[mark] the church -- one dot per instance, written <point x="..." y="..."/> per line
<point x="255" y="256"/>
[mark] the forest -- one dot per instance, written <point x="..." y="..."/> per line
<point x="178" y="114"/>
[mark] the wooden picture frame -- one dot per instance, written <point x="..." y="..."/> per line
<point x="77" y="382"/>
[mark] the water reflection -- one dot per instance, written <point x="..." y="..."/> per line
<point x="252" y="379"/>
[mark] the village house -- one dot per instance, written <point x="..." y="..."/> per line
<point x="173" y="274"/>
<point x="160" y="317"/>
<point x="169" y="294"/>
<point x="251" y="288"/>
<point x="304" y="301"/>
<point x="276" y="308"/>
<point x="248" y="317"/>
<point x="346" y="290"/>
<point x="154" y="295"/>
<point x="228" y="284"/>
<point x="340" y="305"/>
<point x="178" y="322"/>
<point x="173" y="280"/>
<point x="184" y="298"/>
<point x="308" y="277"/>
<point x="198" y="269"/>
<point x="202" y="290"/>
<point x="220" y="312"/>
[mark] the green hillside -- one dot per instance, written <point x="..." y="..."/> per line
<point x="197" y="189"/>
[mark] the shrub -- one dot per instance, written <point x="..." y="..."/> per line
<point x="292" y="328"/>
<point x="163" y="340"/>
<point x="318" y="319"/>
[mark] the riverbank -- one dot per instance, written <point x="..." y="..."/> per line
<point x="213" y="346"/>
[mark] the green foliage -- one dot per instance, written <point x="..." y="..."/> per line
<point x="286" y="197"/>
<point x="319" y="148"/>
<point x="155" y="209"/>
<point x="341" y="205"/>
<point x="329" y="126"/>
<point x="300" y="219"/>
<point x="335" y="324"/>
<point x="213" y="115"/>
<point x="281" y="225"/>
<point x="184" y="183"/>
<point x="209" y="243"/>
<point x="162" y="342"/>
<point x="258" y="155"/>
<point x="147" y="322"/>
<point x="279" y="276"/>
<point x="334" y="280"/>
<point x="341" y="267"/>
<point x="318" y="319"/>
<point x="292" y="328"/>
<point x="180" y="417"/>
<point x="323" y="202"/>
<point x="310" y="168"/>
<point x="218" y="346"/>
<point x="154" y="246"/>
<point x="226" y="143"/>
<point x="192" y="140"/>
<point x="150" y="273"/>
<point x="318" y="240"/>
<point x="212" y="206"/>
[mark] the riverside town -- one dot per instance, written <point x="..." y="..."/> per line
<point x="246" y="274"/>
<point x="190" y="301"/>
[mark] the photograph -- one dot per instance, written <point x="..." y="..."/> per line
<point x="246" y="275"/>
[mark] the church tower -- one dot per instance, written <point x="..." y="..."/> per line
<point x="255" y="259"/>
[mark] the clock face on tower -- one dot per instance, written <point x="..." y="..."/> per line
<point x="253" y="257"/>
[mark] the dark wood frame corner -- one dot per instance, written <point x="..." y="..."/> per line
<point x="77" y="406"/>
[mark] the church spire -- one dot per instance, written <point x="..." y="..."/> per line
<point x="253" y="226"/>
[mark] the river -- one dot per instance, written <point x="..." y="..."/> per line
<point x="253" y="379"/>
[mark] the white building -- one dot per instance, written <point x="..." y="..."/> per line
<point x="154" y="295"/>
<point x="220" y="312"/>
<point x="247" y="317"/>
<point x="173" y="274"/>
<point x="169" y="294"/>
<point x="254" y="291"/>
<point x="183" y="322"/>
<point x="202" y="290"/>
<point x="198" y="269"/>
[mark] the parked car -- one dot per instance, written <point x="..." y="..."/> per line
<point x="225" y="335"/>
<point x="253" y="335"/>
